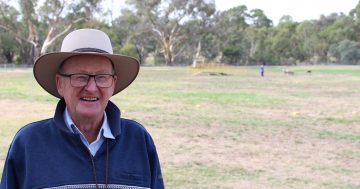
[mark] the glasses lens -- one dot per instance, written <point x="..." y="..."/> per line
<point x="79" y="80"/>
<point x="101" y="80"/>
<point x="104" y="80"/>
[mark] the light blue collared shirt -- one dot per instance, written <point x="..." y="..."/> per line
<point x="104" y="132"/>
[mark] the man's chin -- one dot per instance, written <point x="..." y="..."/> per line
<point x="92" y="113"/>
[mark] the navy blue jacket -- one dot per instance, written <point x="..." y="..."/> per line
<point x="46" y="154"/>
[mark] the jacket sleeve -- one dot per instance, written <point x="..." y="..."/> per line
<point x="9" y="176"/>
<point x="156" y="176"/>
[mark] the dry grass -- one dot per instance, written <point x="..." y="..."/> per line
<point x="236" y="131"/>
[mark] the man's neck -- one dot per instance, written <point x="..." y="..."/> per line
<point x="89" y="127"/>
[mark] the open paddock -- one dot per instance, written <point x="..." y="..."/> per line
<point x="233" y="130"/>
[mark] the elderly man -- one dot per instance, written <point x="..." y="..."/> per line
<point x="86" y="144"/>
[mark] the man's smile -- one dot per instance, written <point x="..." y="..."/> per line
<point x="89" y="99"/>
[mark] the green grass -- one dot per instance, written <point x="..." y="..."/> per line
<point x="183" y="177"/>
<point x="22" y="85"/>
<point x="354" y="71"/>
<point x="235" y="131"/>
<point x="340" y="120"/>
<point x="328" y="70"/>
<point x="248" y="98"/>
<point x="340" y="135"/>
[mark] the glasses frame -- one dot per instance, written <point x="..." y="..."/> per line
<point x="89" y="77"/>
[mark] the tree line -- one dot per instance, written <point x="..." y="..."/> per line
<point x="180" y="32"/>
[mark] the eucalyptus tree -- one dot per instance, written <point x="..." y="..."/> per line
<point x="347" y="52"/>
<point x="355" y="15"/>
<point x="201" y="44"/>
<point x="257" y="35"/>
<point x="8" y="46"/>
<point x="231" y="26"/>
<point x="131" y="36"/>
<point x="259" y="19"/>
<point x="284" y="43"/>
<point x="325" y="35"/>
<point x="259" y="44"/>
<point x="307" y="34"/>
<point x="344" y="38"/>
<point x="245" y="35"/>
<point x="39" y="25"/>
<point x="320" y="35"/>
<point x="165" y="19"/>
<point x="60" y="16"/>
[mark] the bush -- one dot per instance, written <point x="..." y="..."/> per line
<point x="130" y="50"/>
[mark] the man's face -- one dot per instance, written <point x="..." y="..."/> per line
<point x="88" y="101"/>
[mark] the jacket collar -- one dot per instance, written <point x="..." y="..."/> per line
<point x="112" y="111"/>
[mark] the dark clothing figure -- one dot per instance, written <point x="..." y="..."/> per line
<point x="262" y="70"/>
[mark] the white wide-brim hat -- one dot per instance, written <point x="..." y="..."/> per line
<point x="80" y="42"/>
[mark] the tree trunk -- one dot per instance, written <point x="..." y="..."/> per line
<point x="167" y="50"/>
<point x="9" y="56"/>
<point x="168" y="57"/>
<point x="52" y="36"/>
<point x="197" y="55"/>
<point x="26" y="56"/>
<point x="37" y="50"/>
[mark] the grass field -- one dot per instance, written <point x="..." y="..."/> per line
<point x="235" y="131"/>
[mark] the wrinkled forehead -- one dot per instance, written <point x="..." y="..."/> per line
<point x="88" y="63"/>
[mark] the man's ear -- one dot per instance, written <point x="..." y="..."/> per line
<point x="115" y="79"/>
<point x="59" y="84"/>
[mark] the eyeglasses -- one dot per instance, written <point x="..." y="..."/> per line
<point x="81" y="80"/>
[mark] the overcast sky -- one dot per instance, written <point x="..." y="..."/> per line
<point x="299" y="10"/>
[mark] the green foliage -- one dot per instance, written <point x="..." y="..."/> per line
<point x="8" y="48"/>
<point x="347" y="52"/>
<point x="284" y="43"/>
<point x="129" y="50"/>
<point x="173" y="29"/>
<point x="260" y="19"/>
<point x="165" y="21"/>
<point x="232" y="53"/>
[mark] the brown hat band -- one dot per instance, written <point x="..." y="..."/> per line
<point x="90" y="50"/>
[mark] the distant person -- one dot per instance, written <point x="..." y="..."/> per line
<point x="86" y="144"/>
<point x="262" y="69"/>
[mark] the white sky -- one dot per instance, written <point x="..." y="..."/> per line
<point x="299" y="10"/>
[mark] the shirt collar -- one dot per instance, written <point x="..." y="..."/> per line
<point x="105" y="127"/>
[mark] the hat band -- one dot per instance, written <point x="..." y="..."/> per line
<point x="90" y="50"/>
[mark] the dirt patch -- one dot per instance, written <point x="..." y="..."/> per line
<point x="211" y="74"/>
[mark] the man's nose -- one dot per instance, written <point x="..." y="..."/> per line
<point x="91" y="85"/>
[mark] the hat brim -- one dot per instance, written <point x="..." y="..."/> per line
<point x="46" y="67"/>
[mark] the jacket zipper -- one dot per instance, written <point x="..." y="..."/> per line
<point x="106" y="165"/>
